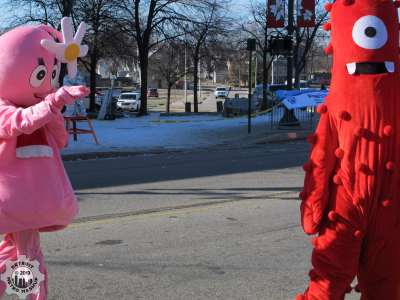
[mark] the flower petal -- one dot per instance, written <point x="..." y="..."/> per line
<point x="80" y="32"/>
<point x="83" y="50"/>
<point x="72" y="67"/>
<point x="67" y="29"/>
<point x="56" y="48"/>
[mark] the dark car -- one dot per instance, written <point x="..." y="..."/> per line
<point x="152" y="92"/>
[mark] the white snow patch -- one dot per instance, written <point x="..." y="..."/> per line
<point x="153" y="131"/>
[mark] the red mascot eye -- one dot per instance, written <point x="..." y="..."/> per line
<point x="370" y="32"/>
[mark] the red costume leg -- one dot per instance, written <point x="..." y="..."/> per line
<point x="28" y="244"/>
<point x="379" y="272"/>
<point x="335" y="266"/>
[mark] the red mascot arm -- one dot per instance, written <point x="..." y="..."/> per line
<point x="319" y="171"/>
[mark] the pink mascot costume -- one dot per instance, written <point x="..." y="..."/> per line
<point x="35" y="192"/>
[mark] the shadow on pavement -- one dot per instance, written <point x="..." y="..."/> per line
<point x="185" y="165"/>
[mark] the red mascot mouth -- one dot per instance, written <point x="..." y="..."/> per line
<point x="362" y="68"/>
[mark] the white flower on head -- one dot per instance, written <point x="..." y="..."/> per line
<point x="70" y="49"/>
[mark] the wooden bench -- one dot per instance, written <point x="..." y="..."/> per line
<point x="74" y="130"/>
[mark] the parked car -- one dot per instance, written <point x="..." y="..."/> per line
<point x="152" y="92"/>
<point x="129" y="101"/>
<point x="221" y="92"/>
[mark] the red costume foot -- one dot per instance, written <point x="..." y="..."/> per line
<point x="351" y="194"/>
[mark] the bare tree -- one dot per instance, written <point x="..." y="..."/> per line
<point x="170" y="65"/>
<point x="208" y="22"/>
<point x="304" y="40"/>
<point x="258" y="29"/>
<point x="101" y="35"/>
<point x="150" y="23"/>
<point x="40" y="11"/>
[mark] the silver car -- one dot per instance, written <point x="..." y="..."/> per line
<point x="129" y="101"/>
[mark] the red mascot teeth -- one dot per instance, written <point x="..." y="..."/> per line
<point x="353" y="187"/>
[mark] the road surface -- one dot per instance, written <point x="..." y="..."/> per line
<point x="216" y="224"/>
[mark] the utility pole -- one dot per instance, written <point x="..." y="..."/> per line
<point x="290" y="30"/>
<point x="185" y="74"/>
<point x="289" y="119"/>
<point x="255" y="78"/>
<point x="251" y="46"/>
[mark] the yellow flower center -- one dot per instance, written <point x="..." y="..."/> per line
<point x="72" y="52"/>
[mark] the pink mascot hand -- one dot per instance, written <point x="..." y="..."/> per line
<point x="67" y="95"/>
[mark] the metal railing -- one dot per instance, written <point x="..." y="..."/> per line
<point x="307" y="118"/>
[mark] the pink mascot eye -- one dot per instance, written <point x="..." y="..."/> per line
<point x="54" y="76"/>
<point x="38" y="76"/>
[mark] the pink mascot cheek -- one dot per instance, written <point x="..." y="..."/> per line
<point x="25" y="66"/>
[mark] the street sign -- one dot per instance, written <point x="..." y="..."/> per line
<point x="251" y="44"/>
<point x="276" y="14"/>
<point x="306" y="13"/>
<point x="280" y="46"/>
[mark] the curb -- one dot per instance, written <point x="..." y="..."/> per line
<point x="114" y="154"/>
<point x="284" y="137"/>
<point x="270" y="139"/>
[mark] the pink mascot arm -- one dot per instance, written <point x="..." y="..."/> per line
<point x="56" y="127"/>
<point x="15" y="121"/>
<point x="319" y="171"/>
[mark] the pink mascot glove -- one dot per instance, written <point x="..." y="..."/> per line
<point x="67" y="95"/>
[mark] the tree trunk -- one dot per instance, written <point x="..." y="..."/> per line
<point x="264" y="104"/>
<point x="169" y="97"/>
<point x="93" y="79"/>
<point x="144" y="63"/>
<point x="196" y="81"/>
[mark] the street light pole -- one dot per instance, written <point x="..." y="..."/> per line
<point x="289" y="119"/>
<point x="185" y="74"/>
<point x="255" y="78"/>
<point x="251" y="46"/>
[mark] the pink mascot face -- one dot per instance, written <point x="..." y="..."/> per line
<point x="28" y="72"/>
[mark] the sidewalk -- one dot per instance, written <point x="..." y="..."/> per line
<point x="154" y="134"/>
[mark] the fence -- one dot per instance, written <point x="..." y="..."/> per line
<point x="306" y="117"/>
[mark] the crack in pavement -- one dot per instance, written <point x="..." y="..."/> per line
<point x="104" y="217"/>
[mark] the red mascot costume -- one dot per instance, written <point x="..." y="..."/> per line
<point x="351" y="195"/>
